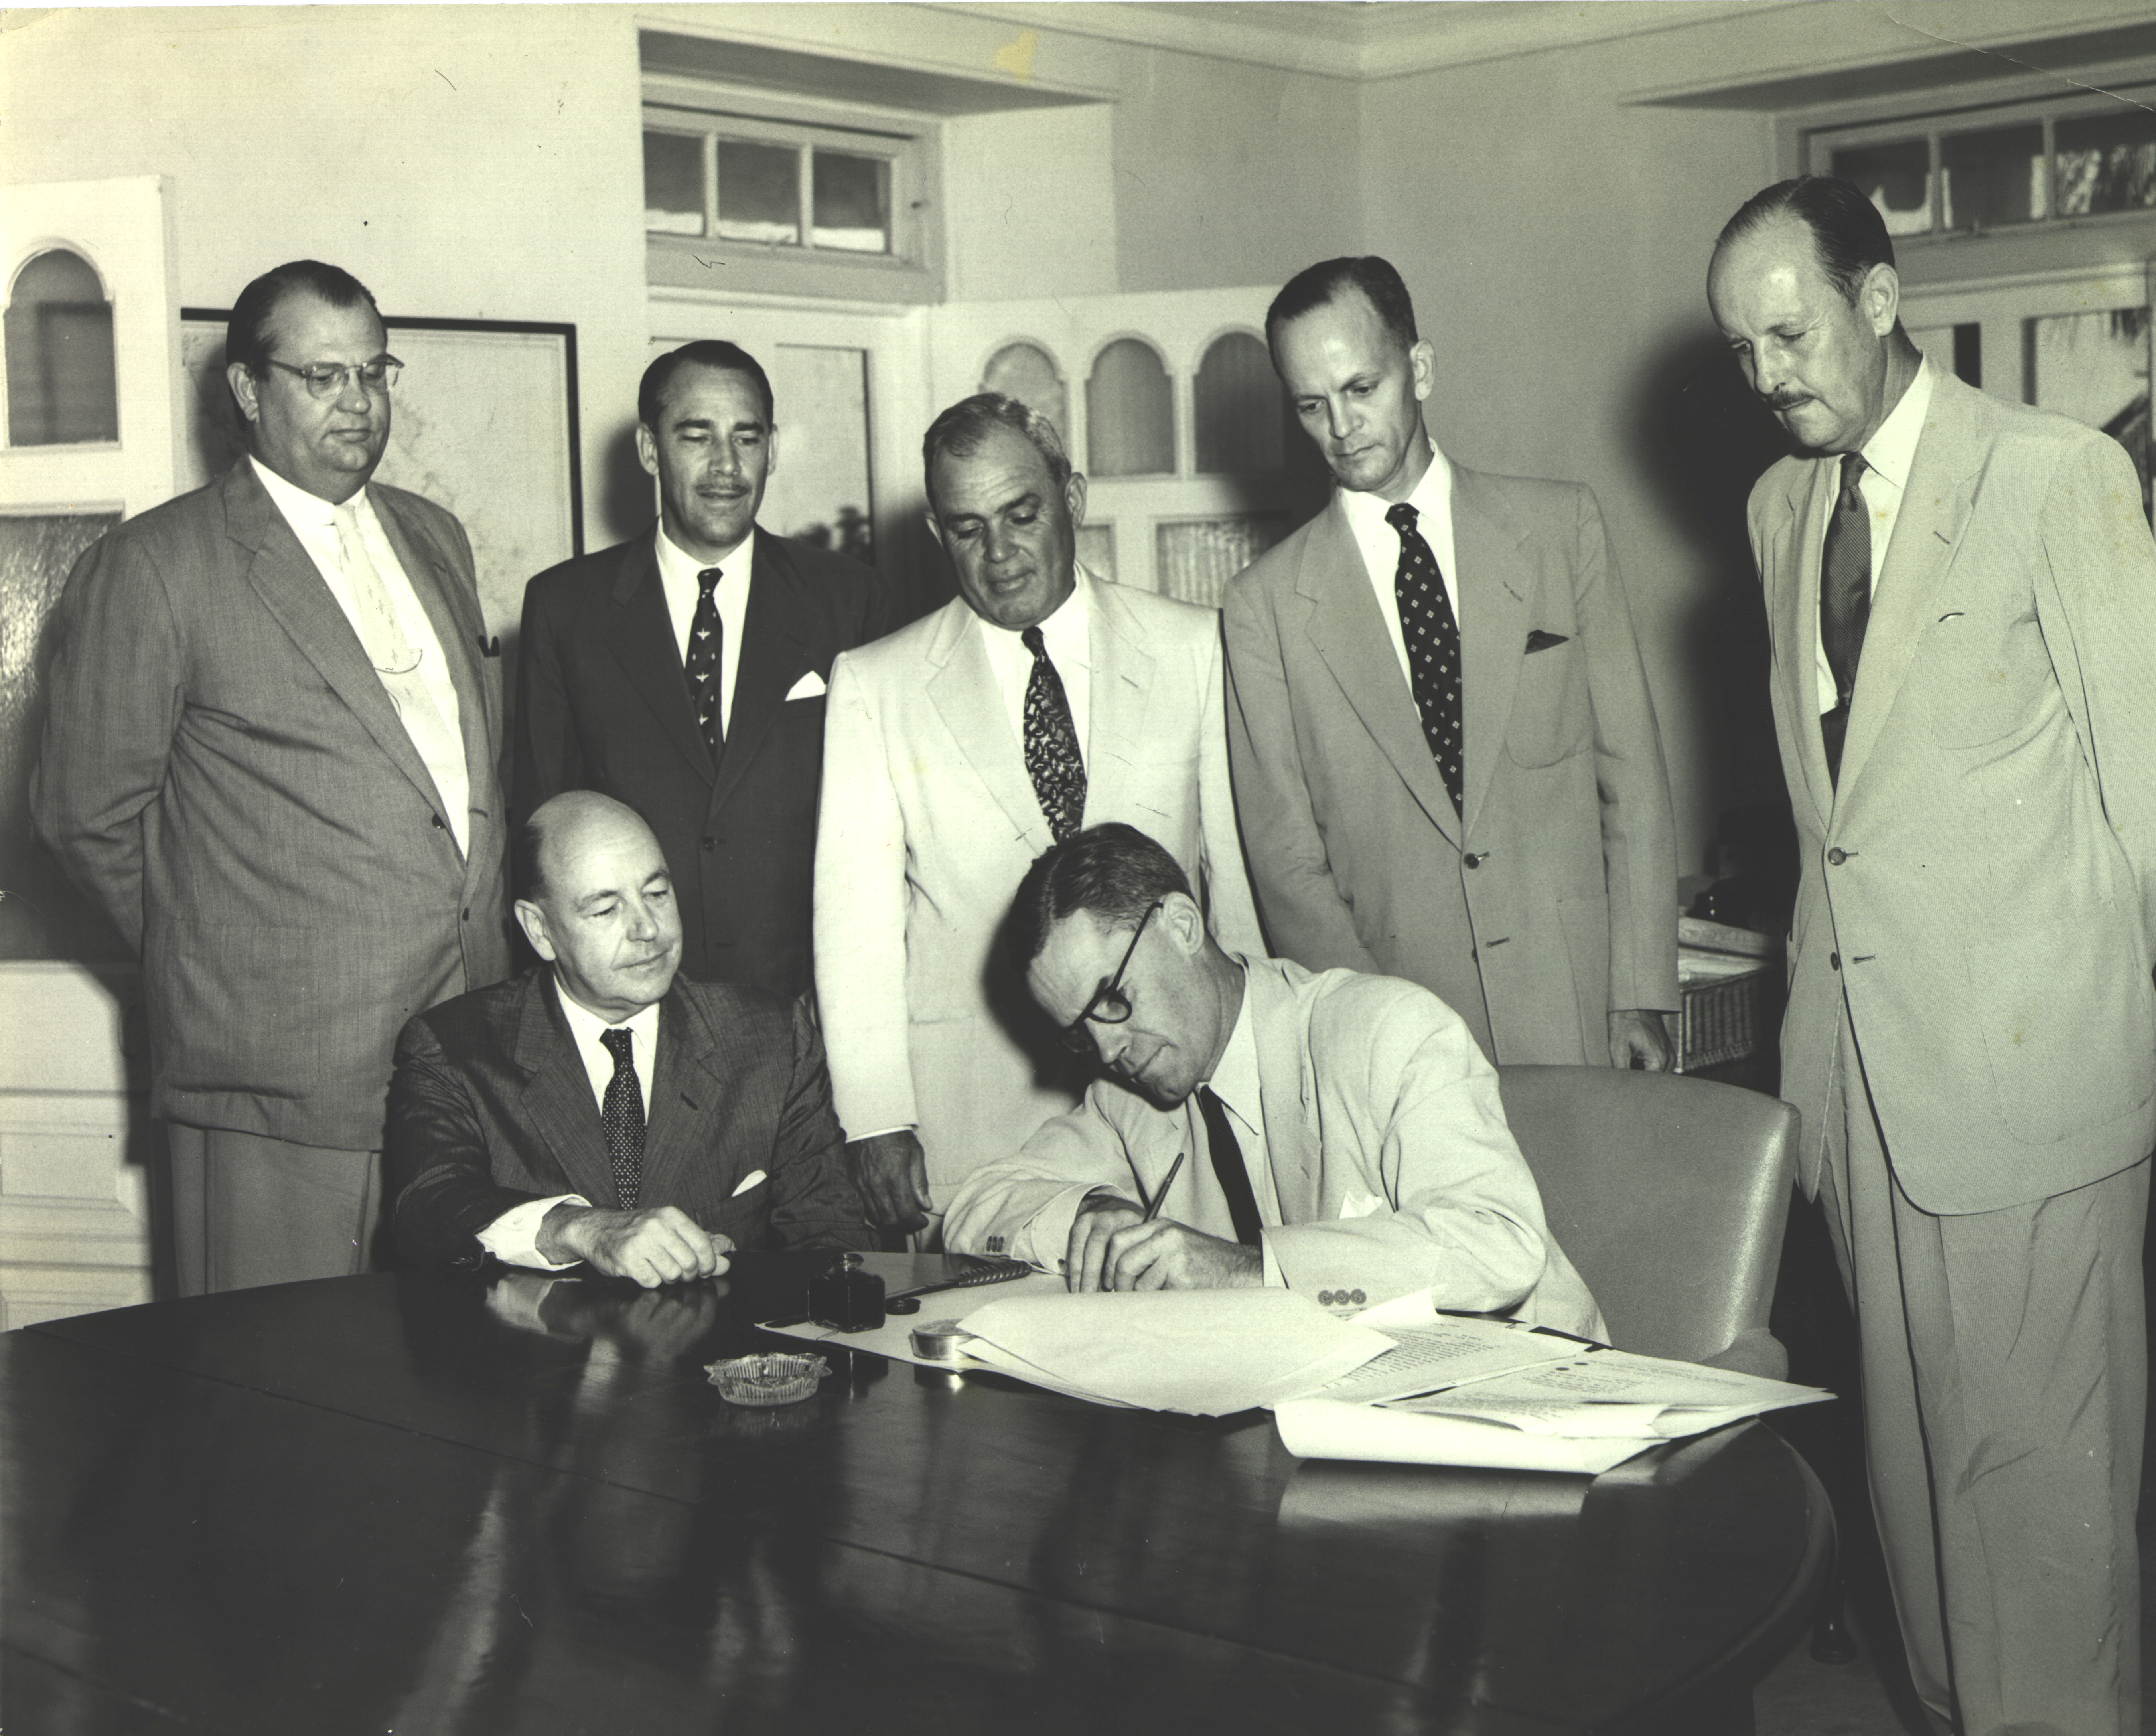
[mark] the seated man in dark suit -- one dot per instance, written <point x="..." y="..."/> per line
<point x="1259" y="1124"/>
<point x="595" y="1108"/>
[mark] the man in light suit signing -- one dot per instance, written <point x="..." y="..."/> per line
<point x="598" y="1108"/>
<point x="1962" y="598"/>
<point x="683" y="672"/>
<point x="270" y="758"/>
<point x="1338" y="1134"/>
<point x="1038" y="699"/>
<point x="1445" y="757"/>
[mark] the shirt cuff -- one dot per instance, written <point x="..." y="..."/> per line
<point x="903" y="1126"/>
<point x="1275" y="1279"/>
<point x="513" y="1238"/>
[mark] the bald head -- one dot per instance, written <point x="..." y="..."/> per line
<point x="598" y="903"/>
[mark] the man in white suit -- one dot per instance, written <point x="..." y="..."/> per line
<point x="1334" y="1133"/>
<point x="1961" y="597"/>
<point x="1040" y="699"/>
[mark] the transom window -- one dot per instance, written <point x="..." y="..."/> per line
<point x="2001" y="166"/>
<point x="733" y="178"/>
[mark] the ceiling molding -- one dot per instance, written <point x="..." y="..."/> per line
<point x="1360" y="42"/>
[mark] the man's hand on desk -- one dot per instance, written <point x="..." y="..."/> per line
<point x="662" y="1245"/>
<point x="1113" y="1247"/>
<point x="1641" y="1038"/>
<point x="891" y="1171"/>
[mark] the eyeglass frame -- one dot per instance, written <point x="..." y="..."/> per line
<point x="1073" y="1036"/>
<point x="346" y="371"/>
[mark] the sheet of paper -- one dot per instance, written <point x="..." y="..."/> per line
<point x="1444" y="1354"/>
<point x="1326" y="1428"/>
<point x="1207" y="1352"/>
<point x="893" y="1337"/>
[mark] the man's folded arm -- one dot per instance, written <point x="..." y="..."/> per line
<point x="1021" y="1207"/>
<point x="434" y="1154"/>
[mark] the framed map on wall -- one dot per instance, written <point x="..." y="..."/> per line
<point x="484" y="422"/>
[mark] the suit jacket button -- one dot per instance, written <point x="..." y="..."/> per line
<point x="1473" y="858"/>
<point x="1834" y="961"/>
<point x="710" y="845"/>
<point x="438" y="826"/>
<point x="1357" y="1297"/>
<point x="1325" y="1298"/>
<point x="468" y="912"/>
<point x="1836" y="858"/>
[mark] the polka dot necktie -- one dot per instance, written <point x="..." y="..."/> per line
<point x="1845" y="602"/>
<point x="1432" y="643"/>
<point x="1052" y="760"/>
<point x="622" y="1114"/>
<point x="701" y="665"/>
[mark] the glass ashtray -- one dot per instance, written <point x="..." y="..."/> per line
<point x="761" y="1381"/>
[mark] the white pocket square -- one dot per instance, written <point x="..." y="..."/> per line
<point x="755" y="1177"/>
<point x="809" y="686"/>
<point x="1364" y="1205"/>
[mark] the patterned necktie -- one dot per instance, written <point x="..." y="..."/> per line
<point x="395" y="658"/>
<point x="1845" y="602"/>
<point x="701" y="665"/>
<point x="1052" y="759"/>
<point x="1432" y="643"/>
<point x="622" y="1114"/>
<point x="1227" y="1152"/>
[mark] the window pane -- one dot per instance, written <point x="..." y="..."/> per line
<point x="1096" y="549"/>
<point x="2094" y="368"/>
<point x="759" y="192"/>
<point x="62" y="386"/>
<point x="2106" y="162"/>
<point x="1994" y="178"/>
<point x="852" y="202"/>
<point x="1130" y="416"/>
<point x="1238" y="402"/>
<point x="1028" y="373"/>
<point x="673" y="184"/>
<point x="1195" y="559"/>
<point x="1896" y="178"/>
<point x="821" y="493"/>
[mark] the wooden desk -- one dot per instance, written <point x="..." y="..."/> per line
<point x="418" y="1503"/>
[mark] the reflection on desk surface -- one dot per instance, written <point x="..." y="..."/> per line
<point x="423" y="1502"/>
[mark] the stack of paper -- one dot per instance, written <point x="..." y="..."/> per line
<point x="1209" y="1352"/>
<point x="1494" y="1393"/>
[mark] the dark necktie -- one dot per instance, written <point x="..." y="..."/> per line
<point x="1845" y="602"/>
<point x="701" y="665"/>
<point x="622" y="1114"/>
<point x="1228" y="1165"/>
<point x="1432" y="636"/>
<point x="1052" y="759"/>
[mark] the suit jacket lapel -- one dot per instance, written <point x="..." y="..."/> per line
<point x="1935" y="506"/>
<point x="1789" y="553"/>
<point x="557" y="1092"/>
<point x="1492" y="580"/>
<point x="771" y="657"/>
<point x="963" y="689"/>
<point x="1350" y="635"/>
<point x="460" y="626"/>
<point x="1285" y="1087"/>
<point x="685" y="1086"/>
<point x="1122" y="684"/>
<point x="293" y="590"/>
<point x="640" y="634"/>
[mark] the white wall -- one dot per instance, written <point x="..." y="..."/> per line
<point x="463" y="161"/>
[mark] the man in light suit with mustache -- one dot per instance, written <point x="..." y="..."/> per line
<point x="1962" y="598"/>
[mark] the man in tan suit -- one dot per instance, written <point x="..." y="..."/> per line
<point x="1962" y="596"/>
<point x="1446" y="758"/>
<point x="1040" y="699"/>
<point x="270" y="758"/>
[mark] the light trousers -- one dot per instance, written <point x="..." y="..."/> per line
<point x="2004" y="1363"/>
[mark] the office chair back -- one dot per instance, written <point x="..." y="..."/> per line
<point x="1670" y="1195"/>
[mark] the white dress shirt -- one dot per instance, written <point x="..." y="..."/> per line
<point x="513" y="1238"/>
<point x="1888" y="456"/>
<point x="1067" y="636"/>
<point x="677" y="578"/>
<point x="313" y="520"/>
<point x="1380" y="543"/>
